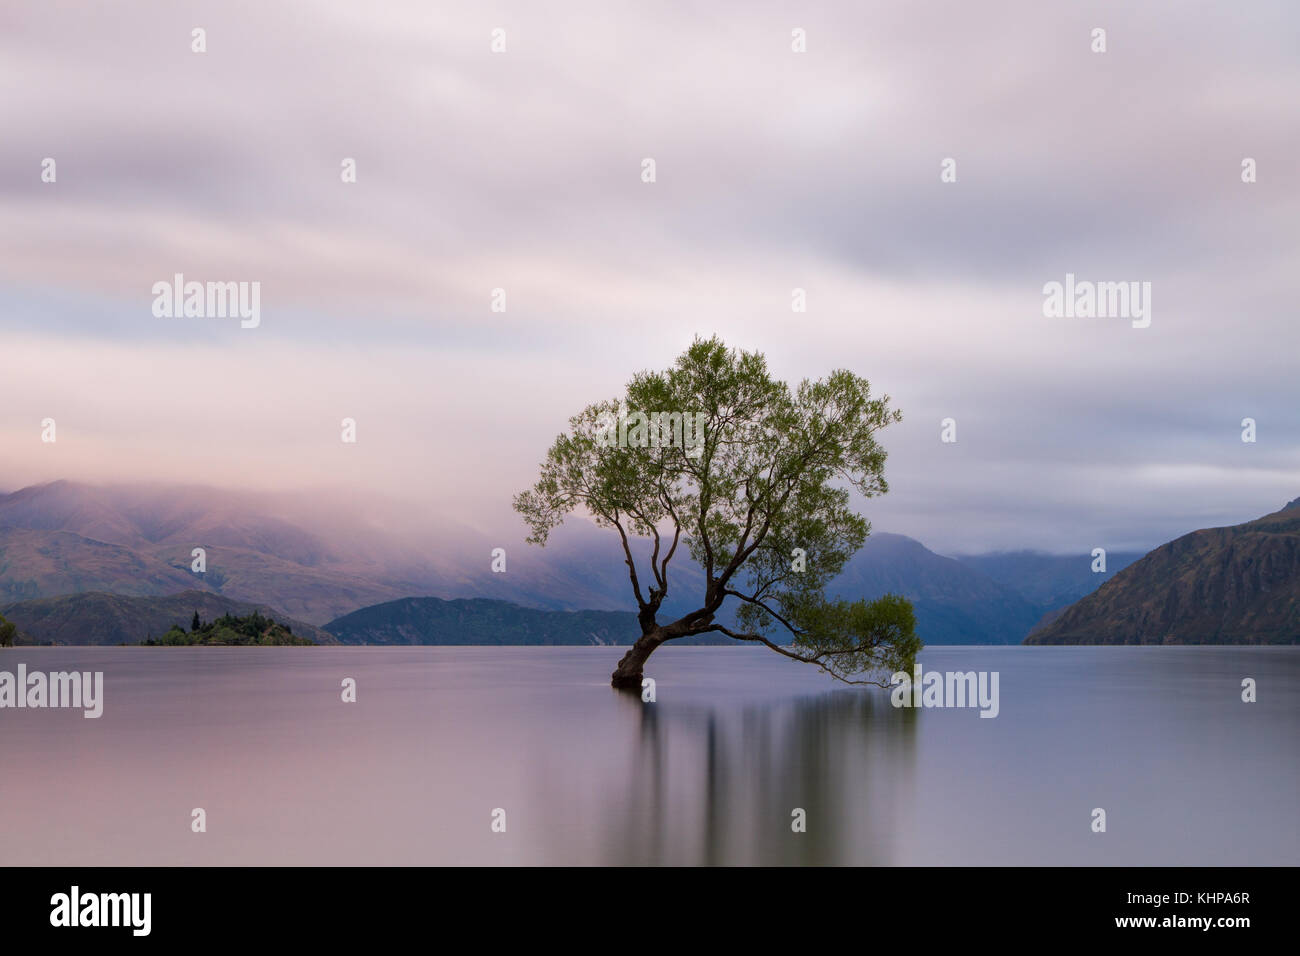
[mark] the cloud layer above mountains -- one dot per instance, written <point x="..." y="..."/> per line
<point x="775" y="170"/>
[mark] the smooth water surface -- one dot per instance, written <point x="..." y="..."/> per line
<point x="710" y="773"/>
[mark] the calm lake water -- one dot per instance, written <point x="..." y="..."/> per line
<point x="708" y="774"/>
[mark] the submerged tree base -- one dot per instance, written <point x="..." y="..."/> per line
<point x="620" y="681"/>
<point x="629" y="673"/>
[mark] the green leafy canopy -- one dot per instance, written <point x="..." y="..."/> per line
<point x="772" y="473"/>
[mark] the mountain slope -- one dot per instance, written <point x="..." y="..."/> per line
<point x="1050" y="581"/>
<point x="1234" y="585"/>
<point x="65" y="538"/>
<point x="316" y="559"/>
<point x="43" y="563"/>
<point x="582" y="567"/>
<point x="430" y="620"/>
<point x="97" y="618"/>
<point x="954" y="604"/>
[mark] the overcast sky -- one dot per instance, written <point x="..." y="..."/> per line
<point x="775" y="170"/>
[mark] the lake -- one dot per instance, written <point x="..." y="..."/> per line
<point x="710" y="773"/>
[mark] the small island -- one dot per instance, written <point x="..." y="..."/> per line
<point x="227" y="630"/>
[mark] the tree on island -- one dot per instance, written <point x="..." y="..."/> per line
<point x="254" y="630"/>
<point x="754" y="498"/>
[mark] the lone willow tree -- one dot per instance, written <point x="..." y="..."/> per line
<point x="753" y="477"/>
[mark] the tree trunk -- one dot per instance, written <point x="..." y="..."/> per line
<point x="627" y="676"/>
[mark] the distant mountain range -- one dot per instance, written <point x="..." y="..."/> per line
<point x="1234" y="585"/>
<point x="64" y="537"/>
<point x="989" y="599"/>
<point x="1048" y="581"/>
<point x="317" y="565"/>
<point x="311" y="564"/>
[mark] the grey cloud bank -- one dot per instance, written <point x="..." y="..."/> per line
<point x="776" y="170"/>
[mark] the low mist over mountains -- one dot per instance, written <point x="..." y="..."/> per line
<point x="64" y="537"/>
<point x="317" y="561"/>
<point x="313" y="561"/>
<point x="1234" y="585"/>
